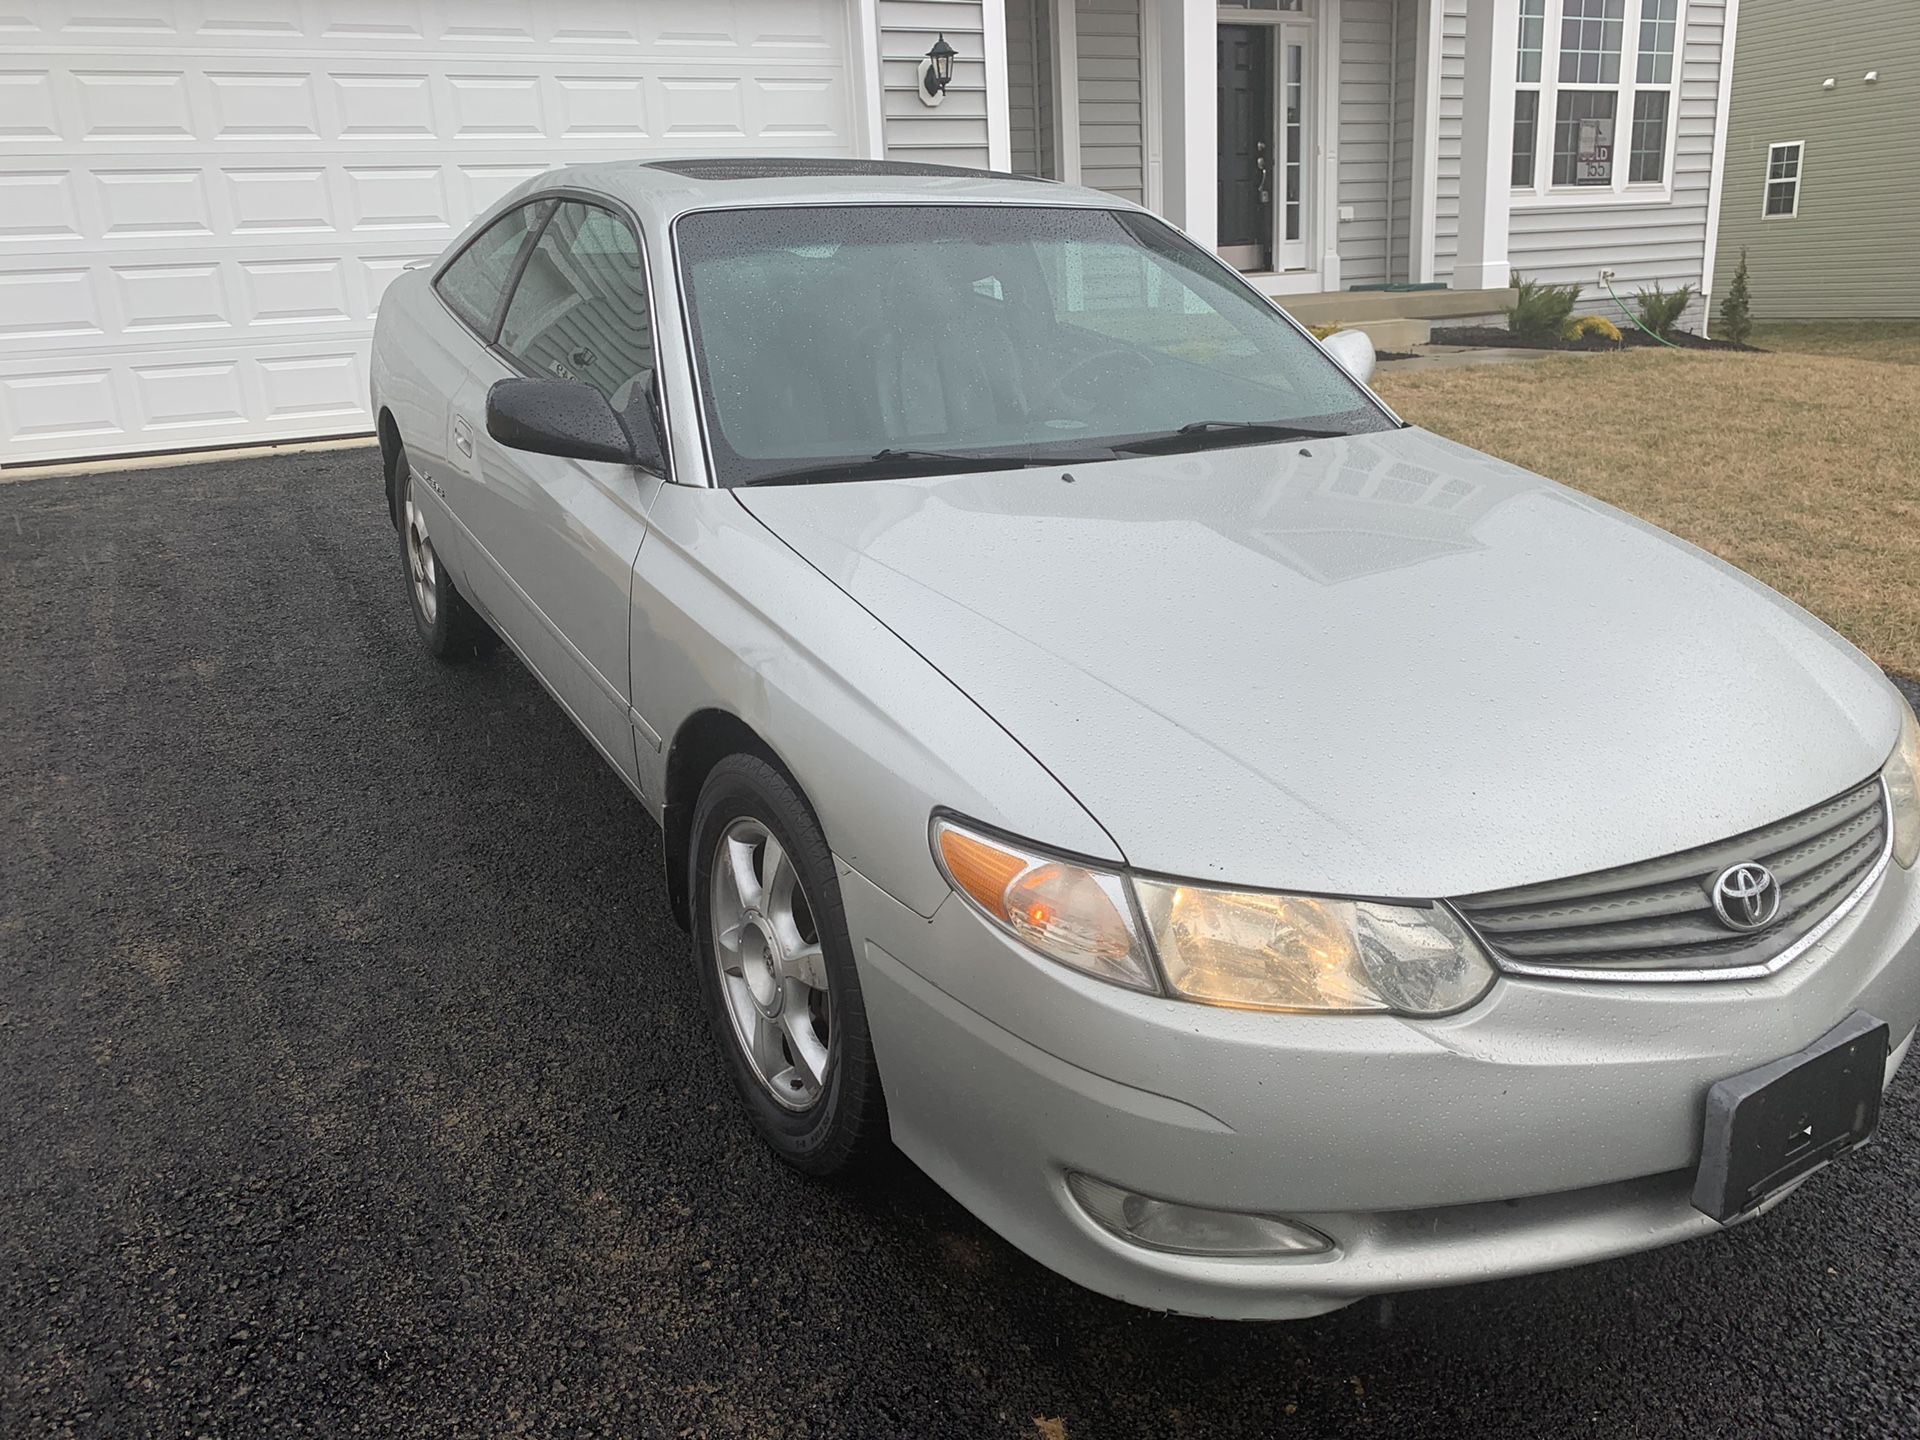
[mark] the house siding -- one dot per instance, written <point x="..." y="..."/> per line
<point x="1026" y="62"/>
<point x="1112" y="127"/>
<point x="1365" y="139"/>
<point x="954" y="133"/>
<point x="1849" y="252"/>
<point x="1406" y="61"/>
<point x="1446" y="170"/>
<point x="1645" y="244"/>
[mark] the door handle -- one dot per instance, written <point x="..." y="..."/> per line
<point x="463" y="437"/>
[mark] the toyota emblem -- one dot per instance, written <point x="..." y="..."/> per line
<point x="1746" y="897"/>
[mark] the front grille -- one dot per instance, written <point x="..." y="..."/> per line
<point x="1658" y="915"/>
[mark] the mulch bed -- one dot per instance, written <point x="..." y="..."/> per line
<point x="1630" y="339"/>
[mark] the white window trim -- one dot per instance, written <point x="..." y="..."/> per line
<point x="1543" y="194"/>
<point x="1767" y="182"/>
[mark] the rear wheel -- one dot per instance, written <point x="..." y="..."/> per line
<point x="448" y="626"/>
<point x="776" y="967"/>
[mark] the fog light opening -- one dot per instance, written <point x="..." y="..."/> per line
<point x="1191" y="1229"/>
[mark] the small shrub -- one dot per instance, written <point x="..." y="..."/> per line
<point x="1660" y="309"/>
<point x="1321" y="332"/>
<point x="1588" y="325"/>
<point x="1736" y="306"/>
<point x="1541" y="312"/>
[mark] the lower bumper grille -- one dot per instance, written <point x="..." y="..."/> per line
<point x="1656" y="919"/>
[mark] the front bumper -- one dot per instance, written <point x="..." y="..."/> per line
<point x="1551" y="1124"/>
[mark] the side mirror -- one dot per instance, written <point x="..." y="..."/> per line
<point x="558" y="417"/>
<point x="1353" y="351"/>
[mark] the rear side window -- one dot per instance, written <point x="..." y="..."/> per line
<point x="475" y="283"/>
<point x="580" y="309"/>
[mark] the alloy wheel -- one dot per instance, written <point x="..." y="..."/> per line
<point x="773" y="976"/>
<point x="422" y="570"/>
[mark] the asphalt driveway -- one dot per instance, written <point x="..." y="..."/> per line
<point x="353" y="1082"/>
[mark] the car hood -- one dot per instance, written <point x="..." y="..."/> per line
<point x="1383" y="665"/>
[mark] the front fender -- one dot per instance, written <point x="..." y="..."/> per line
<point x="726" y="616"/>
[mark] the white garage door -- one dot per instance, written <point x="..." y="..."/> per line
<point x="201" y="200"/>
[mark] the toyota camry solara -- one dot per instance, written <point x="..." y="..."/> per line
<point x="1253" y="852"/>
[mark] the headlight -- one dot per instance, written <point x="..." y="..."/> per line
<point x="1218" y="947"/>
<point x="1295" y="952"/>
<point x="1902" y="777"/>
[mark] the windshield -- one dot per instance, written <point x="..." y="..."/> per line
<point x="834" y="333"/>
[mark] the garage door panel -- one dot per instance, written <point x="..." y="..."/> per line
<point x="442" y="27"/>
<point x="201" y="201"/>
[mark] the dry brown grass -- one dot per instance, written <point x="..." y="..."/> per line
<point x="1802" y="469"/>
<point x="1896" y="342"/>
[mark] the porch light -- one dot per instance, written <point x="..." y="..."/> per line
<point x="936" y="71"/>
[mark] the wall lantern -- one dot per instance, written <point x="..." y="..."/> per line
<point x="936" y="72"/>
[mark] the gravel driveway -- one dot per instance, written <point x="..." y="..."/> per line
<point x="353" y="1081"/>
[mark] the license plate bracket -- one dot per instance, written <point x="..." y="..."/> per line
<point x="1772" y="1126"/>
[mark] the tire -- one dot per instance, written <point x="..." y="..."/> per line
<point x="449" y="627"/>
<point x="782" y="996"/>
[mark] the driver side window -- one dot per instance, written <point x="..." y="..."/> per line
<point x="475" y="283"/>
<point x="580" y="309"/>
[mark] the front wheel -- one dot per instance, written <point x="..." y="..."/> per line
<point x="448" y="626"/>
<point x="776" y="968"/>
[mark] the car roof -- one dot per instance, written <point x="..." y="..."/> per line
<point x="660" y="189"/>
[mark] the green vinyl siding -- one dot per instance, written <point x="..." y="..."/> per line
<point x="1853" y="250"/>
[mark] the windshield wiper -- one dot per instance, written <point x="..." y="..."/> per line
<point x="1207" y="434"/>
<point x="894" y="463"/>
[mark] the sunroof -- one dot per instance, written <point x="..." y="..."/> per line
<point x="790" y="167"/>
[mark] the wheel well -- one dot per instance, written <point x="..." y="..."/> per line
<point x="389" y="462"/>
<point x="703" y="740"/>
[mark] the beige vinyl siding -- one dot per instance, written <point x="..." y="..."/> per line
<point x="1111" y="126"/>
<point x="1364" y="54"/>
<point x="1453" y="90"/>
<point x="1853" y="250"/>
<point x="1025" y="31"/>
<point x="1046" y="140"/>
<point x="1646" y="244"/>
<point x="955" y="133"/>
<point x="1406" y="60"/>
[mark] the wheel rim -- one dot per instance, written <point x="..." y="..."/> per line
<point x="422" y="570"/>
<point x="773" y="977"/>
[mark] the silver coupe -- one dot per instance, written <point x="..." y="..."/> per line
<point x="1253" y="852"/>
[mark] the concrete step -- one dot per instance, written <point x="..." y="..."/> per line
<point x="1349" y="307"/>
<point x="1399" y="334"/>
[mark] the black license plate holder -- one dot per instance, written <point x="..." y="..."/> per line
<point x="1772" y="1126"/>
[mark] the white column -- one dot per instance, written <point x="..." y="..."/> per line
<point x="1327" y="126"/>
<point x="1426" y="139"/>
<point x="1190" y="186"/>
<point x="869" y="120"/>
<point x="1486" y="145"/>
<point x="993" y="17"/>
<point x="1065" y="44"/>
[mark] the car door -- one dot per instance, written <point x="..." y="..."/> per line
<point x="555" y="540"/>
<point x="454" y="336"/>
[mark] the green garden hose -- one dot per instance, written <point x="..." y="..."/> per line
<point x="1633" y="317"/>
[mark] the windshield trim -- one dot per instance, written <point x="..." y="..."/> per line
<point x="1111" y="203"/>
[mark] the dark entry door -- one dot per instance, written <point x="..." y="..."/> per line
<point x="1246" y="146"/>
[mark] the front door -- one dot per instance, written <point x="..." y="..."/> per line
<point x="1246" y="144"/>
<point x="555" y="540"/>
